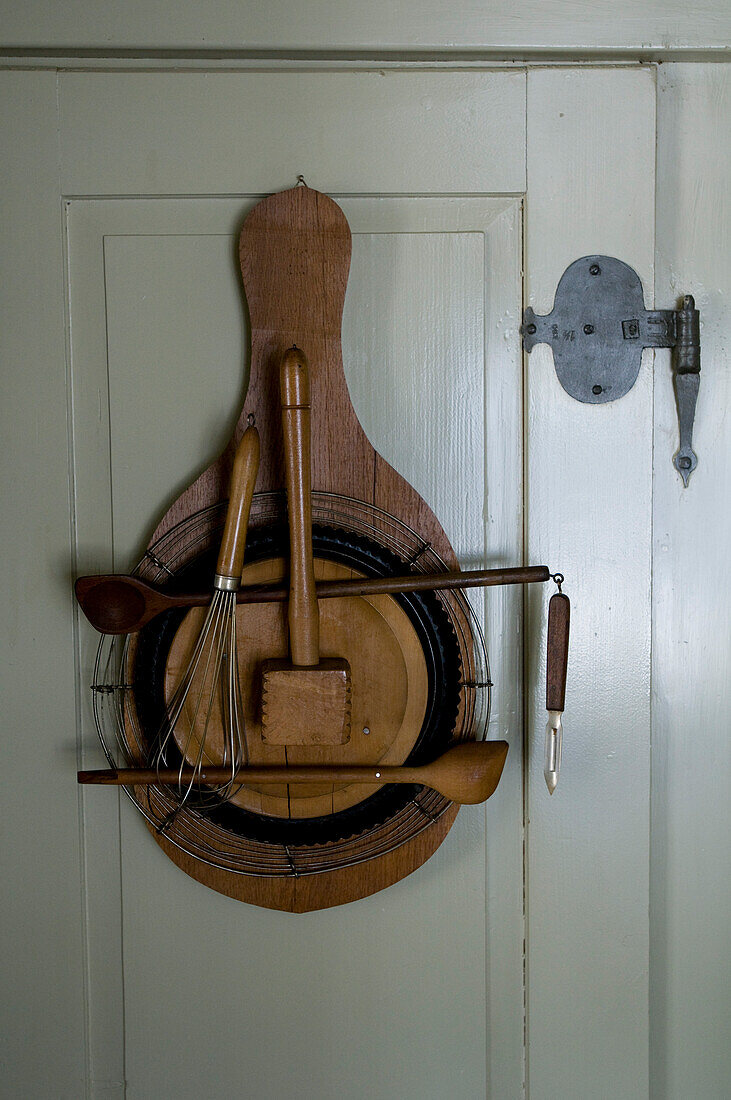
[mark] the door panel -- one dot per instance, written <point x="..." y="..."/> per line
<point x="690" y="954"/>
<point x="590" y="513"/>
<point x="44" y="1003"/>
<point x="417" y="991"/>
<point x="416" y="345"/>
<point x="348" y="132"/>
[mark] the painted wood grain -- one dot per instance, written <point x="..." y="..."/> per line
<point x="372" y="30"/>
<point x="44" y="1003"/>
<point x="93" y="551"/>
<point x="691" y="702"/>
<point x="689" y="1049"/>
<point x="589" y="510"/>
<point x="687" y="980"/>
<point x="504" y="541"/>
<point x="255" y="132"/>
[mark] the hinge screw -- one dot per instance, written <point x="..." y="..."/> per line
<point x="588" y="329"/>
<point x="595" y="269"/>
<point x="530" y="329"/>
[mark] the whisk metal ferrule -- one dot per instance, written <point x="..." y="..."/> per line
<point x="226" y="584"/>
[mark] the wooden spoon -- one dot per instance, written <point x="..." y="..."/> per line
<point x="115" y="603"/>
<point x="468" y="773"/>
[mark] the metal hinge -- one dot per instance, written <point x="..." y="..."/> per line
<point x="597" y="329"/>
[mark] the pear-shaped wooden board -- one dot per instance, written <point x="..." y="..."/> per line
<point x="295" y="252"/>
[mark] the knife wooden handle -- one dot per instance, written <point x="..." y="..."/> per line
<point x="559" y="613"/>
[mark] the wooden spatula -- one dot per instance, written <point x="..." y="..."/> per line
<point x="467" y="773"/>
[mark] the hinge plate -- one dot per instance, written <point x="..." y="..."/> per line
<point x="597" y="330"/>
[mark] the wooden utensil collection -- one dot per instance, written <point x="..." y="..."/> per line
<point x="301" y="708"/>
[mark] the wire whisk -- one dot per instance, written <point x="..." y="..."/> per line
<point x="207" y="697"/>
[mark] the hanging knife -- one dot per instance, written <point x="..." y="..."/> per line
<point x="559" y="612"/>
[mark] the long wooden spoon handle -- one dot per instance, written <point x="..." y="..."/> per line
<point x="304" y="620"/>
<point x="119" y="604"/>
<point x="315" y="773"/>
<point x="243" y="479"/>
<point x="559" y="614"/>
<point x="467" y="773"/>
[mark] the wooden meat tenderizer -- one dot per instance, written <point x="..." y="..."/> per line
<point x="305" y="701"/>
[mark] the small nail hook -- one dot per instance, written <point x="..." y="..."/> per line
<point x="301" y="181"/>
<point x="558" y="578"/>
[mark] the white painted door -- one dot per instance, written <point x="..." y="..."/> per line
<point x="534" y="909"/>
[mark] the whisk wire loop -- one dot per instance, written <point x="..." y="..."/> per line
<point x="193" y="828"/>
<point x="209" y="687"/>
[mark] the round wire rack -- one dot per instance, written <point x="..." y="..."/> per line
<point x="190" y="828"/>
